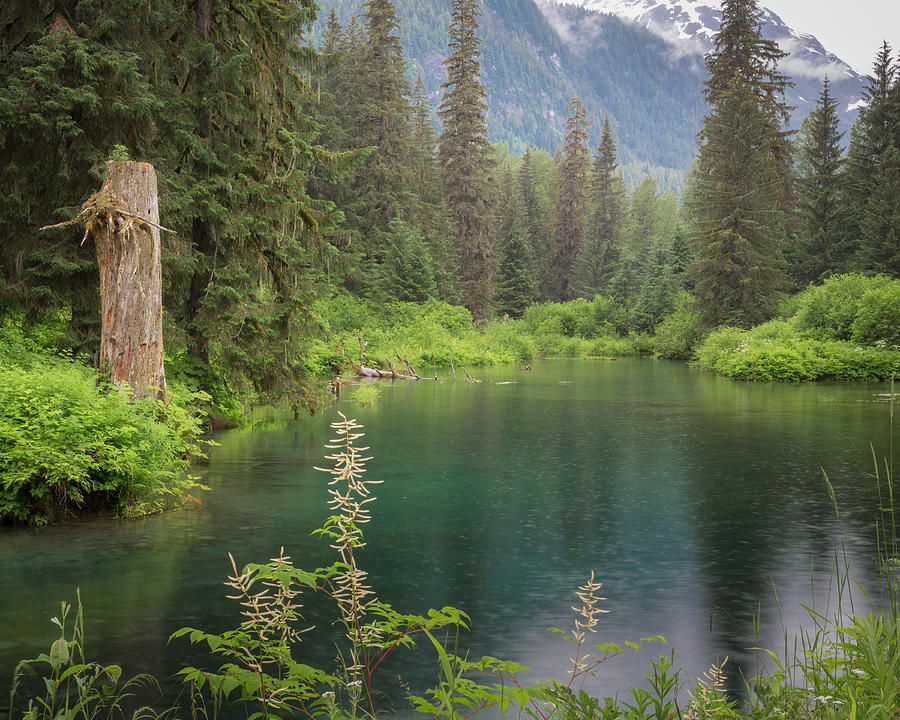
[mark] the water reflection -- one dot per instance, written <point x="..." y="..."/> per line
<point x="689" y="495"/>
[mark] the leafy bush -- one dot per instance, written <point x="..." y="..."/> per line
<point x="768" y="353"/>
<point x="67" y="446"/>
<point x="877" y="320"/>
<point x="678" y="334"/>
<point x="828" y="311"/>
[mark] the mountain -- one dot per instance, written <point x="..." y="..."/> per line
<point x="690" y="27"/>
<point x="640" y="61"/>
<point x="531" y="70"/>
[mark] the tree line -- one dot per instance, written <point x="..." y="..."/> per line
<point x="291" y="169"/>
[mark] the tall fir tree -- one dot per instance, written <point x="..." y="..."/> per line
<point x="534" y="227"/>
<point x="821" y="249"/>
<point x="432" y="214"/>
<point x="571" y="203"/>
<point x="185" y="87"/>
<point x="870" y="138"/>
<point x="515" y="287"/>
<point x="879" y="249"/>
<point x="384" y="185"/>
<point x="465" y="157"/>
<point x="598" y="261"/>
<point x="742" y="194"/>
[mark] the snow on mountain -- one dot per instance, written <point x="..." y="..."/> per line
<point x="690" y="26"/>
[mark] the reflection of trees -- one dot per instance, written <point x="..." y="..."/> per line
<point x="764" y="509"/>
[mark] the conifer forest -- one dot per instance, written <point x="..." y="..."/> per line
<point x="319" y="209"/>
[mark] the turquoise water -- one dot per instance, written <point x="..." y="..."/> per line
<point x="690" y="496"/>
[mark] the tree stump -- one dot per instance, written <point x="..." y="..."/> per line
<point x="125" y="228"/>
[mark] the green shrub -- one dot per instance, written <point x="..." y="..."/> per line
<point x="877" y="320"/>
<point x="67" y="446"/>
<point x="768" y="353"/>
<point x="678" y="334"/>
<point x="828" y="311"/>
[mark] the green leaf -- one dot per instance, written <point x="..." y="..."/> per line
<point x="59" y="653"/>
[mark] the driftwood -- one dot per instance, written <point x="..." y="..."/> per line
<point x="364" y="371"/>
<point x="469" y="378"/>
<point x="409" y="366"/>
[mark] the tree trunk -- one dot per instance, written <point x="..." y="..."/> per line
<point x="128" y="255"/>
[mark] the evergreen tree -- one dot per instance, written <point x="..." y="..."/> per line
<point x="465" y="157"/>
<point x="870" y="138"/>
<point x="384" y="184"/>
<point x="821" y="250"/>
<point x="408" y="272"/>
<point x="879" y="249"/>
<point x="742" y="178"/>
<point x="599" y="258"/>
<point x="570" y="206"/>
<point x="534" y="229"/>
<point x="432" y="214"/>
<point x="232" y="142"/>
<point x="515" y="287"/>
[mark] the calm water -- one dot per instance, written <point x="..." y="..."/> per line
<point x="689" y="495"/>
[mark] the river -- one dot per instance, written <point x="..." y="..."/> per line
<point x="693" y="498"/>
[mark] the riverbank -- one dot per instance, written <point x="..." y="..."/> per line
<point x="846" y="329"/>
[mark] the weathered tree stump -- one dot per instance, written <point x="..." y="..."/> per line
<point x="125" y="230"/>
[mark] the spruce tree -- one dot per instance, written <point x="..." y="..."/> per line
<point x="742" y="178"/>
<point x="432" y="215"/>
<point x="821" y="249"/>
<point x="72" y="85"/>
<point x="465" y="157"/>
<point x="515" y="288"/>
<point x="870" y="138"/>
<point x="599" y="258"/>
<point x="569" y="209"/>
<point x="879" y="249"/>
<point x="534" y="227"/>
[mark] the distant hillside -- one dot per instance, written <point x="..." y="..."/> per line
<point x="532" y="69"/>
<point x="691" y="26"/>
<point x="643" y="67"/>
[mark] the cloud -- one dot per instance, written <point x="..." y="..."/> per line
<point x="804" y="62"/>
<point x="579" y="34"/>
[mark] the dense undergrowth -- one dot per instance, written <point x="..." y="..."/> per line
<point x="841" y="666"/>
<point x="67" y="446"/>
<point x="845" y="329"/>
<point x="70" y="447"/>
<point x="848" y="328"/>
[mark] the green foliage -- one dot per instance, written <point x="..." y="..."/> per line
<point x="76" y="688"/>
<point x="741" y="184"/>
<point x="465" y="158"/>
<point x="678" y="334"/>
<point x="777" y="352"/>
<point x="828" y="311"/>
<point x="119" y="153"/>
<point x="67" y="446"/>
<point x="365" y="395"/>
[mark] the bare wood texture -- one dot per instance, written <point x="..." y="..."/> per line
<point x="126" y="238"/>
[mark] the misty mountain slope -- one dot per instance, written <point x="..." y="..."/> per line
<point x="691" y="25"/>
<point x="535" y="59"/>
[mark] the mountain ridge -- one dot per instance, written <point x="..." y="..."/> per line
<point x="538" y="54"/>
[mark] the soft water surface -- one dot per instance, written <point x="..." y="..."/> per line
<point x="689" y="495"/>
